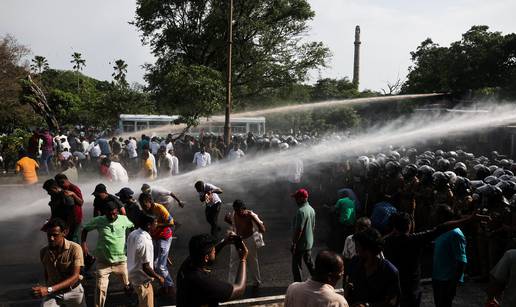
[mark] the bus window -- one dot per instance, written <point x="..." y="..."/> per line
<point x="141" y="125"/>
<point x="128" y="126"/>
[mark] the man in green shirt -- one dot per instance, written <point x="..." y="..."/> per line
<point x="345" y="212"/>
<point x="110" y="250"/>
<point x="303" y="234"/>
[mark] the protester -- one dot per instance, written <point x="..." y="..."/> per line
<point x="28" y="167"/>
<point x="148" y="171"/>
<point x="345" y="212"/>
<point x="132" y="208"/>
<point x="171" y="163"/>
<point x="404" y="249"/>
<point x="349" y="246"/>
<point x="102" y="198"/>
<point x="449" y="260"/>
<point x="195" y="285"/>
<point x="117" y="172"/>
<point x="209" y="195"/>
<point x="247" y="225"/>
<point x="303" y="226"/>
<point x="162" y="196"/>
<point x="371" y="279"/>
<point x="502" y="288"/>
<point x="320" y="289"/>
<point x="235" y="153"/>
<point x="47" y="151"/>
<point x="162" y="238"/>
<point x="73" y="191"/>
<point x="62" y="261"/>
<point x="110" y="250"/>
<point x="140" y="261"/>
<point x="62" y="206"/>
<point x="202" y="158"/>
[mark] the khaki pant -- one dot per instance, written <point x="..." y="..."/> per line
<point x="102" y="280"/>
<point x="73" y="298"/>
<point x="145" y="294"/>
<point x="253" y="267"/>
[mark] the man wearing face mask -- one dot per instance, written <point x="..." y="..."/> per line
<point x="320" y="289"/>
<point x="196" y="286"/>
<point x="110" y="251"/>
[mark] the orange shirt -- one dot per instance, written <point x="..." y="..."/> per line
<point x="28" y="168"/>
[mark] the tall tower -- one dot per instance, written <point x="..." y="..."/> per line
<point x="356" y="63"/>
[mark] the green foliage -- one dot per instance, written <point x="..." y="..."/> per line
<point x="192" y="91"/>
<point x="268" y="51"/>
<point x="320" y="120"/>
<point x="120" y="71"/>
<point x="12" y="143"/>
<point x="39" y="64"/>
<point x="480" y="59"/>
<point x="328" y="89"/>
<point x="13" y="114"/>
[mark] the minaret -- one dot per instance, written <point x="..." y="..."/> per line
<point x="356" y="64"/>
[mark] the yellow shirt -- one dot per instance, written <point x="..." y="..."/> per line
<point x="28" y="168"/>
<point x="148" y="168"/>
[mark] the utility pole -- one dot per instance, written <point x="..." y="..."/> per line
<point x="227" y="121"/>
<point x="356" y="63"/>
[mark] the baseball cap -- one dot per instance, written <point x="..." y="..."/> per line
<point x="100" y="188"/>
<point x="301" y="193"/>
<point x="125" y="193"/>
<point x="146" y="188"/>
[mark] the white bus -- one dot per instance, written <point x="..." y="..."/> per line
<point x="239" y="125"/>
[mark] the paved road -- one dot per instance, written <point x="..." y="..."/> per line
<point x="21" y="241"/>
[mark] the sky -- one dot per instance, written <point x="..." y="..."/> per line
<point x="390" y="30"/>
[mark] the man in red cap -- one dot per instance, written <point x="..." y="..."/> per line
<point x="303" y="234"/>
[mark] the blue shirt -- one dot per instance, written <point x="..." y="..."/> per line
<point x="450" y="248"/>
<point x="381" y="215"/>
<point x="104" y="146"/>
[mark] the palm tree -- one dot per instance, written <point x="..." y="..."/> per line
<point x="78" y="64"/>
<point x="120" y="69"/>
<point x="39" y="64"/>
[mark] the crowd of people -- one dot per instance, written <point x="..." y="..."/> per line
<point x="391" y="207"/>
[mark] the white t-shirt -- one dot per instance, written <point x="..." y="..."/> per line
<point x="154" y="168"/>
<point x="154" y="147"/>
<point x="66" y="155"/>
<point x="214" y="196"/>
<point x="201" y="160"/>
<point x="172" y="164"/>
<point x="235" y="154"/>
<point x="505" y="272"/>
<point x="349" y="248"/>
<point x="139" y="251"/>
<point x="118" y="172"/>
<point x="313" y="293"/>
<point x="85" y="146"/>
<point x="131" y="150"/>
<point x="94" y="150"/>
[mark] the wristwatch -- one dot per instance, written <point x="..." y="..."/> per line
<point x="49" y="289"/>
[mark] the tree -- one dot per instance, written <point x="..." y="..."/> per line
<point x="13" y="114"/>
<point x="192" y="91"/>
<point x="39" y="64"/>
<point x="269" y="50"/>
<point x="481" y="59"/>
<point x="34" y="96"/>
<point x="120" y="71"/>
<point x="78" y="64"/>
<point x="327" y="89"/>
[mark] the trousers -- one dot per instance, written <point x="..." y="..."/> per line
<point x="73" y="298"/>
<point x="145" y="294"/>
<point x="102" y="279"/>
<point x="297" y="258"/>
<point x="444" y="292"/>
<point x="253" y="267"/>
<point x="161" y="250"/>
<point x="212" y="216"/>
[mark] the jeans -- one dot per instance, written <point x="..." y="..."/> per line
<point x="46" y="161"/>
<point x="299" y="256"/>
<point x="444" y="292"/>
<point x="212" y="215"/>
<point x="161" y="249"/>
<point x="72" y="298"/>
